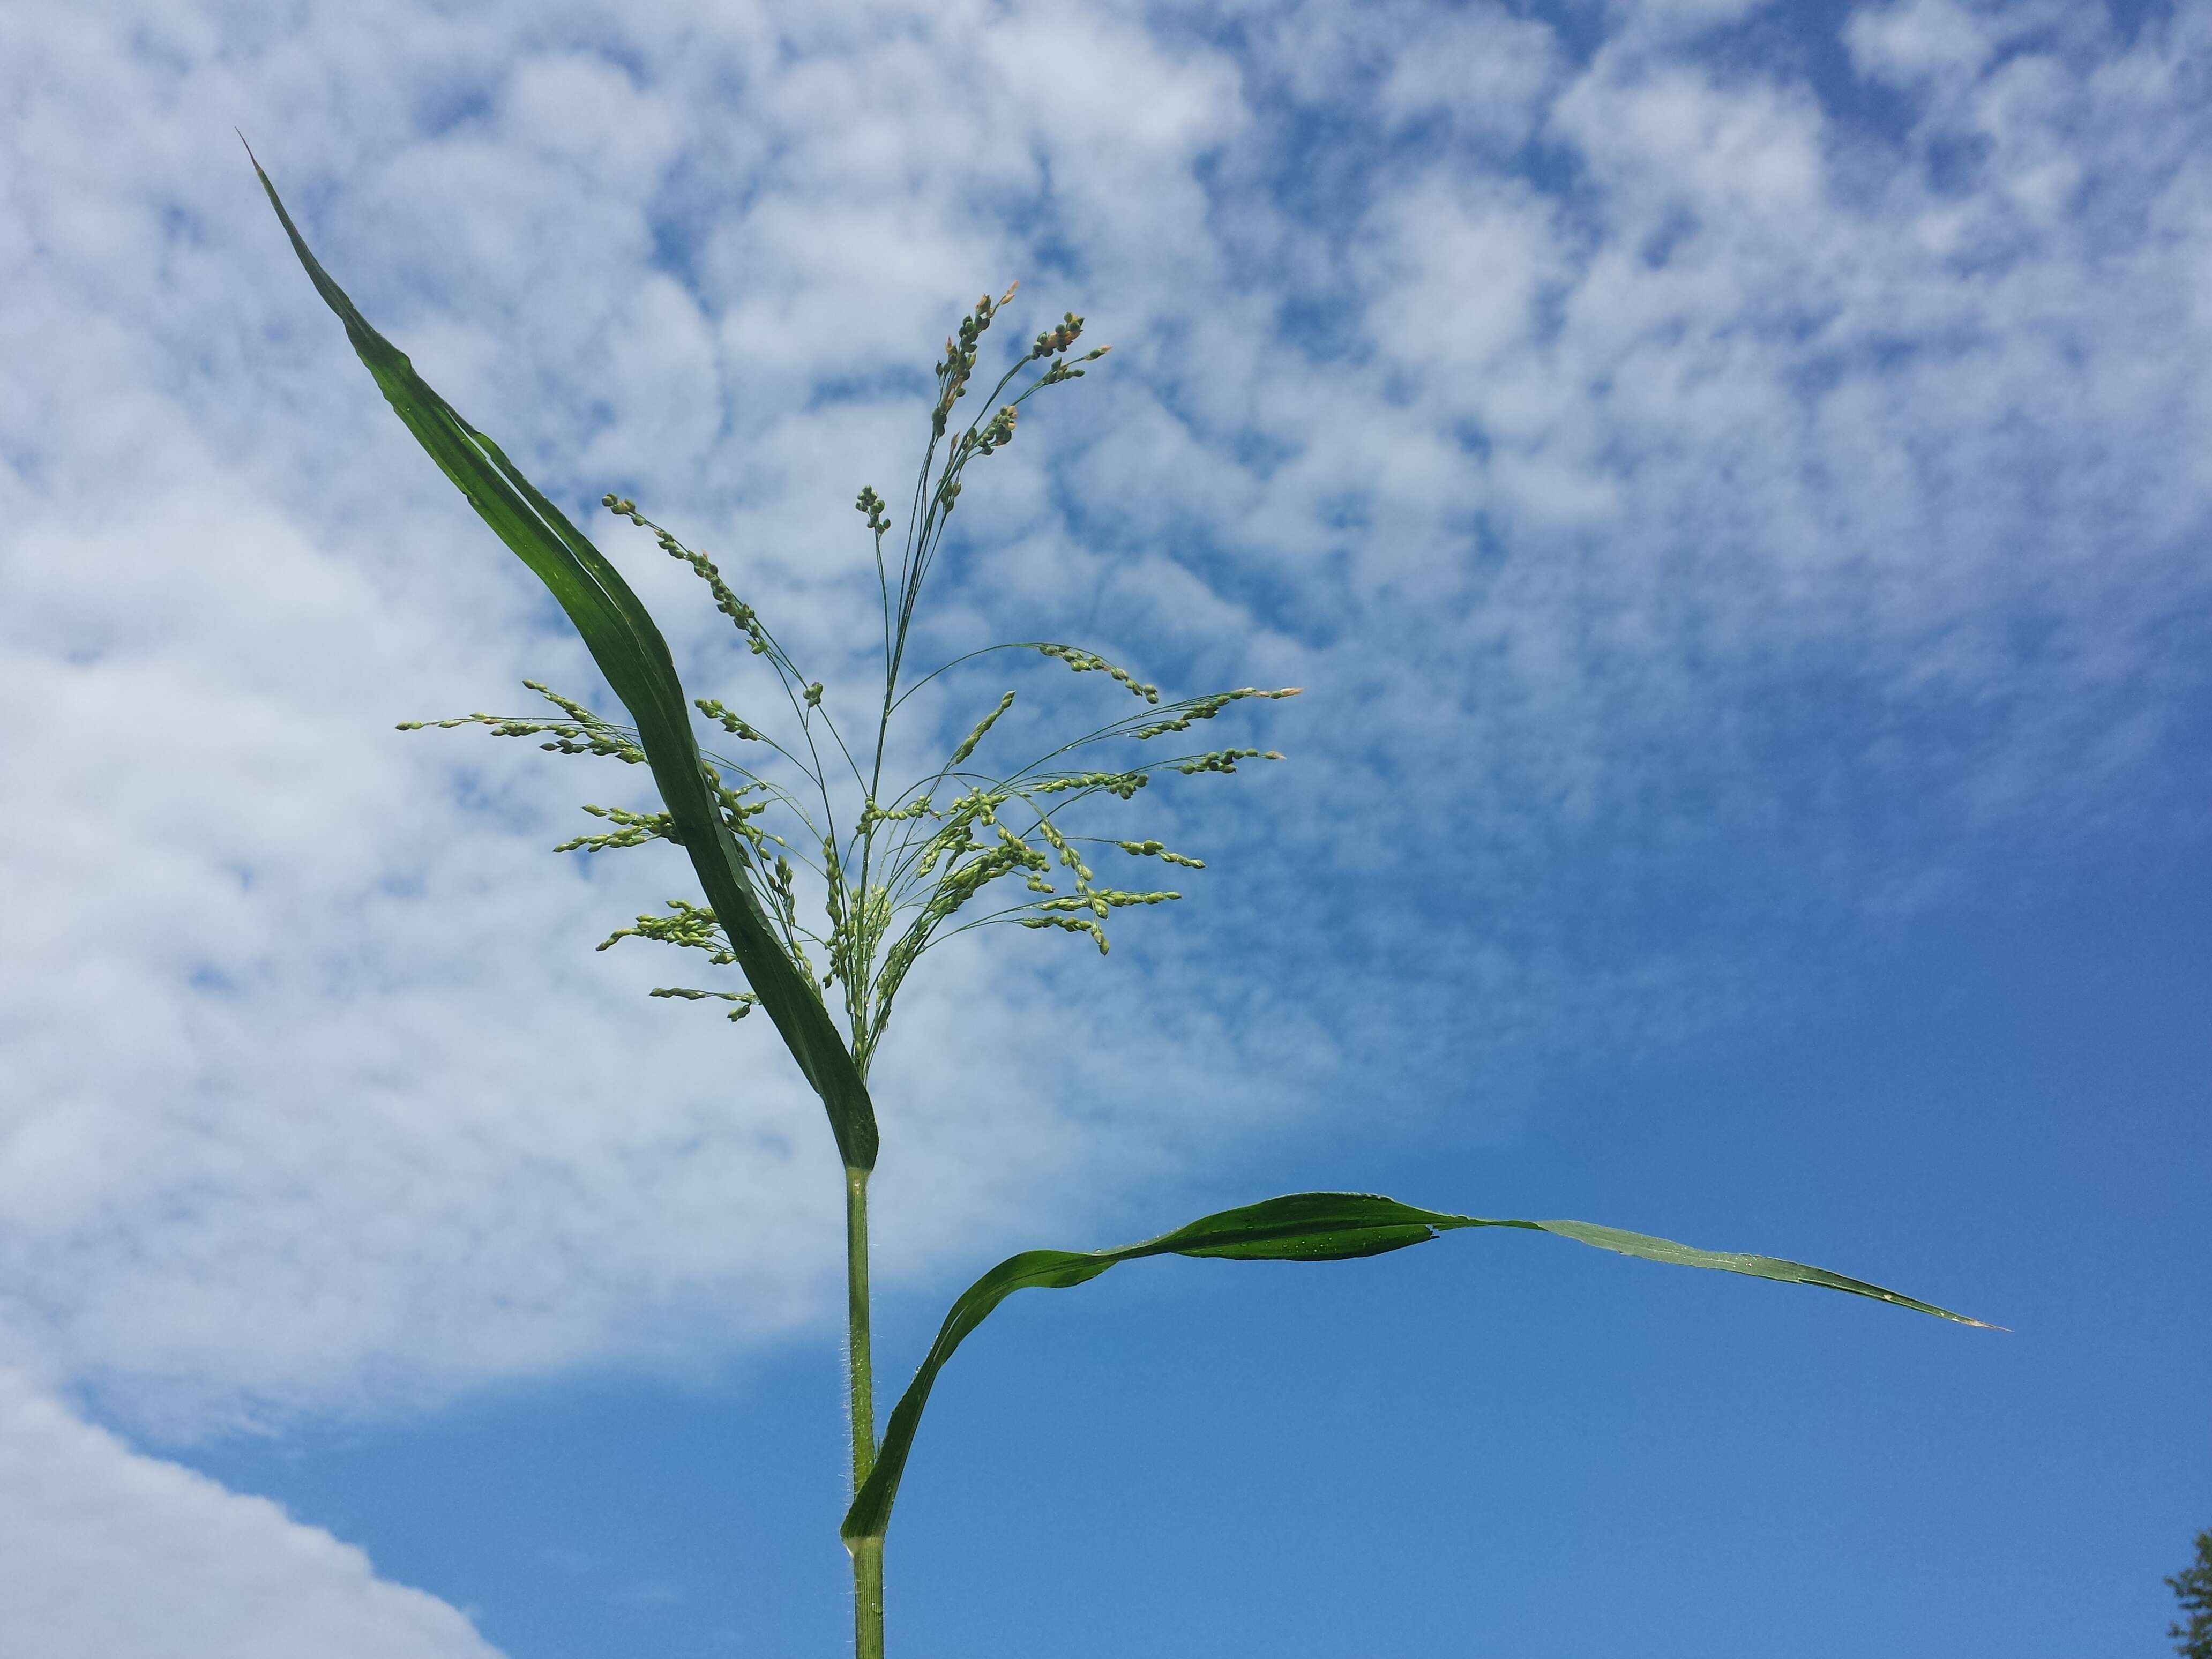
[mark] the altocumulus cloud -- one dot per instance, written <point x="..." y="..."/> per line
<point x="1585" y="415"/>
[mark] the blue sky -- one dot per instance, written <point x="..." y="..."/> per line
<point x="1730" y="480"/>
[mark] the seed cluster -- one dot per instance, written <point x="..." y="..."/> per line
<point x="958" y="850"/>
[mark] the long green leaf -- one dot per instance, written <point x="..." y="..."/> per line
<point x="635" y="660"/>
<point x="1299" y="1227"/>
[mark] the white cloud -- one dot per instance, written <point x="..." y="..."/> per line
<point x="1920" y="40"/>
<point x="105" y="1552"/>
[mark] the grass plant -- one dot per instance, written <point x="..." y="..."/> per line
<point x="802" y="812"/>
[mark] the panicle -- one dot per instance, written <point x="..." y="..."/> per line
<point x="871" y="505"/>
<point x="745" y="1000"/>
<point x="1054" y="340"/>
<point x="959" y="364"/>
<point x="968" y="743"/>
<point x="897" y="877"/>
<point x="712" y="709"/>
<point x="999" y="434"/>
<point x="1089" y="662"/>
<point x="725" y="601"/>
<point x="631" y="830"/>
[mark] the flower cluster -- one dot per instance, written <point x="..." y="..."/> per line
<point x="958" y="850"/>
<point x="960" y="352"/>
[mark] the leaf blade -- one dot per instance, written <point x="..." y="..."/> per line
<point x="1296" y="1227"/>
<point x="631" y="653"/>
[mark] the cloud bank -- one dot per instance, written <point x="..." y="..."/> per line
<point x="104" y="1552"/>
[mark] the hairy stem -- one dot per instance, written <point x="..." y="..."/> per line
<point x="868" y="1598"/>
<point x="867" y="1552"/>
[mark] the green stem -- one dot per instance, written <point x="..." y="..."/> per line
<point x="868" y="1598"/>
<point x="867" y="1552"/>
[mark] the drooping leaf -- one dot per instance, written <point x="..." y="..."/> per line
<point x="1298" y="1227"/>
<point x="631" y="653"/>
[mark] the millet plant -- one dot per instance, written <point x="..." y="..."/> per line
<point x="900" y="866"/>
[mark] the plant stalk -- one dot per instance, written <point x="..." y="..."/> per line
<point x="867" y="1552"/>
<point x="868" y="1597"/>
